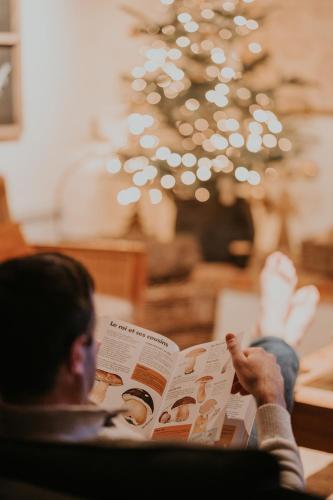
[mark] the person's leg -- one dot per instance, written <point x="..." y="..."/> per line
<point x="289" y="364"/>
<point x="284" y="317"/>
<point x="284" y="312"/>
<point x="288" y="361"/>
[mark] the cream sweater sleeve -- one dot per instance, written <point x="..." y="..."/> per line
<point x="275" y="436"/>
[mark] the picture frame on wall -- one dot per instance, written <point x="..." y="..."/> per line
<point x="10" y="85"/>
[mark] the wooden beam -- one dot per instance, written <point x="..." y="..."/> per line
<point x="10" y="132"/>
<point x="4" y="212"/>
<point x="9" y="39"/>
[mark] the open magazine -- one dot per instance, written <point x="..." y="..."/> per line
<point x="171" y="394"/>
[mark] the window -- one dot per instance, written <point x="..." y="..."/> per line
<point x="10" y="106"/>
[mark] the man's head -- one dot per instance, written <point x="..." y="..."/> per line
<point x="47" y="319"/>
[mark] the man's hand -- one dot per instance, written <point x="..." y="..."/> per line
<point x="258" y="373"/>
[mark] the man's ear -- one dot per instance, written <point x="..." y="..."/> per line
<point x="77" y="356"/>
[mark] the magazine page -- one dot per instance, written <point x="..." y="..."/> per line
<point x="194" y="405"/>
<point x="239" y="420"/>
<point x="133" y="368"/>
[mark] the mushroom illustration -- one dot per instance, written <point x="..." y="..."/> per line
<point x="208" y="407"/>
<point x="103" y="381"/>
<point x="139" y="406"/>
<point x="183" y="410"/>
<point x="225" y="366"/>
<point x="203" y="381"/>
<point x="205" y="411"/>
<point x="191" y="358"/>
<point x="200" y="424"/>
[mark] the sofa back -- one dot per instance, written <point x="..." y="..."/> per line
<point x="90" y="471"/>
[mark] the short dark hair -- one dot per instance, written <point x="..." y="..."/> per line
<point x="45" y="304"/>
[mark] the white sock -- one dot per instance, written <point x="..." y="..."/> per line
<point x="278" y="283"/>
<point x="302" y="310"/>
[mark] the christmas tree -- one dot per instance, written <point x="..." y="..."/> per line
<point x="198" y="112"/>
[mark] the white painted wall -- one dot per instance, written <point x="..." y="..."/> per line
<point x="313" y="199"/>
<point x="73" y="52"/>
<point x="72" y="55"/>
<point x="53" y="120"/>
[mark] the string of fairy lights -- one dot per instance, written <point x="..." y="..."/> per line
<point x="193" y="116"/>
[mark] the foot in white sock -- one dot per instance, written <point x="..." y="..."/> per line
<point x="278" y="281"/>
<point x="303" y="307"/>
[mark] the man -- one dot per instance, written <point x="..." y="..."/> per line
<point x="47" y="365"/>
<point x="48" y="352"/>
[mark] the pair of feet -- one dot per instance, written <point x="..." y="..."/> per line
<point x="285" y="311"/>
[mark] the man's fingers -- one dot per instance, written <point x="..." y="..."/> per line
<point x="235" y="348"/>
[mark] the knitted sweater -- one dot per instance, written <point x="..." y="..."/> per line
<point x="87" y="423"/>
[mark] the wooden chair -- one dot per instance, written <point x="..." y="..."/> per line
<point x="119" y="268"/>
<point x="65" y="471"/>
<point x="12" y="243"/>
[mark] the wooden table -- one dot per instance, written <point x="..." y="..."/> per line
<point x="313" y="413"/>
